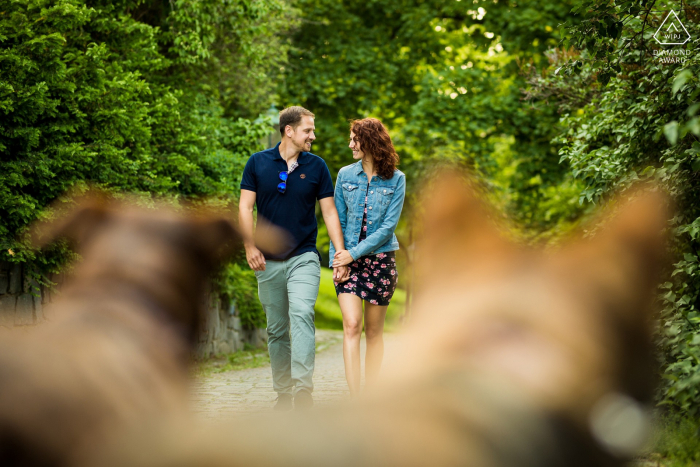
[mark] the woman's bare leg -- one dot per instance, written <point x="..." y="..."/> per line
<point x="375" y="316"/>
<point x="351" y="307"/>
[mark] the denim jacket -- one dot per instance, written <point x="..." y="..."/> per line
<point x="384" y="205"/>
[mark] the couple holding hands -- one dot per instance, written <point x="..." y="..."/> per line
<point x="361" y="214"/>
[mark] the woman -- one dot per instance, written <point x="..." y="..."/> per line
<point x="369" y="197"/>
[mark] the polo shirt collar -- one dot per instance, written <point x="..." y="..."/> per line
<point x="300" y="160"/>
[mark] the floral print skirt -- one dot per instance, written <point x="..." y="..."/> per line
<point x="372" y="278"/>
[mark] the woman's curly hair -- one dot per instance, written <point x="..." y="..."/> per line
<point x="375" y="141"/>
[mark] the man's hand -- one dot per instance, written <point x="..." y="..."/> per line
<point x="255" y="258"/>
<point x="246" y="204"/>
<point x="341" y="274"/>
<point x="342" y="258"/>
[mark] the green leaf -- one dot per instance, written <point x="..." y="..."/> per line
<point x="682" y="78"/>
<point x="671" y="132"/>
<point x="696" y="165"/>
<point x="693" y="125"/>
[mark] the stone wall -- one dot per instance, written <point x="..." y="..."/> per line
<point x="23" y="302"/>
<point x="222" y="331"/>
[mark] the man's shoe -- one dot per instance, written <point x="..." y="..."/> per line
<point x="284" y="402"/>
<point x="303" y="400"/>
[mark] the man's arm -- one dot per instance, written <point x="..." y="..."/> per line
<point x="335" y="232"/>
<point x="255" y="258"/>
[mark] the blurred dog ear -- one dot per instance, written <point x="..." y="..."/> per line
<point x="90" y="211"/>
<point x="220" y="237"/>
<point x="270" y="238"/>
<point x="623" y="262"/>
<point x="458" y="232"/>
<point x="638" y="232"/>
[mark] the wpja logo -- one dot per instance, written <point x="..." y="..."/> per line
<point x="672" y="31"/>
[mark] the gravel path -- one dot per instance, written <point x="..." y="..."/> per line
<point x="245" y="391"/>
<point x="223" y="395"/>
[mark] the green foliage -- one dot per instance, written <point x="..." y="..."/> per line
<point x="162" y="98"/>
<point x="446" y="78"/>
<point x="677" y="441"/>
<point x="635" y="118"/>
<point x="237" y="284"/>
<point x="153" y="97"/>
<point x="553" y="119"/>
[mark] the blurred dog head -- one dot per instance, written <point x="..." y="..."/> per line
<point x="166" y="252"/>
<point x="570" y="328"/>
<point x="115" y="349"/>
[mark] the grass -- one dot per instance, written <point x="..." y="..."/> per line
<point x="677" y="442"/>
<point x="249" y="357"/>
<point x="328" y="315"/>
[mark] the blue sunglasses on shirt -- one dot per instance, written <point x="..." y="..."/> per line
<point x="282" y="186"/>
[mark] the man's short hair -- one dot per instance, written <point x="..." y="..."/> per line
<point x="292" y="116"/>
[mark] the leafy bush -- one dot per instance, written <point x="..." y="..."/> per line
<point x="635" y="117"/>
<point x="148" y="96"/>
<point x="236" y="283"/>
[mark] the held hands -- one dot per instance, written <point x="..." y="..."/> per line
<point x="342" y="258"/>
<point x="255" y="258"/>
<point x="341" y="274"/>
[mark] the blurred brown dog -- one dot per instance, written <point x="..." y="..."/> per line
<point x="514" y="357"/>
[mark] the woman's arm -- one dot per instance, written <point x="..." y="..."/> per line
<point x="342" y="209"/>
<point x="387" y="227"/>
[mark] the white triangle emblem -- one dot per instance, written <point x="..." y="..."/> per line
<point x="673" y="33"/>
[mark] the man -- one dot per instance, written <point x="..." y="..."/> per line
<point x="285" y="182"/>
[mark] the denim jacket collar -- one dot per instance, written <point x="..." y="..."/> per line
<point x="358" y="167"/>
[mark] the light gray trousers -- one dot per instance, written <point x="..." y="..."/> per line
<point x="288" y="291"/>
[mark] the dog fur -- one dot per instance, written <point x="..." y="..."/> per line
<point x="117" y="346"/>
<point x="509" y="360"/>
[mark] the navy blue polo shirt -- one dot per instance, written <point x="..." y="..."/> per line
<point x="294" y="210"/>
